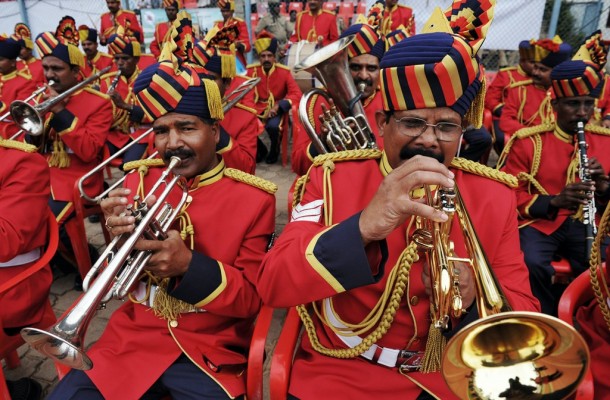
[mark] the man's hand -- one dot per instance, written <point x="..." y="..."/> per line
<point x="114" y="207"/>
<point x="392" y="203"/>
<point x="58" y="107"/>
<point x="573" y="195"/>
<point x="170" y="257"/>
<point x="274" y="110"/>
<point x="465" y="278"/>
<point x="118" y="100"/>
<point x="596" y="170"/>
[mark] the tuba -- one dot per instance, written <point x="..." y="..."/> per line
<point x="115" y="272"/>
<point x="345" y="122"/>
<point x="505" y="353"/>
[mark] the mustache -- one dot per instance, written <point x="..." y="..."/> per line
<point x="367" y="82"/>
<point x="180" y="153"/>
<point x="407" y="153"/>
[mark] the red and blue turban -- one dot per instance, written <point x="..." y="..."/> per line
<point x="366" y="41"/>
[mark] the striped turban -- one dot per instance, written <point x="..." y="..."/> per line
<point x="120" y="44"/>
<point x="24" y="35"/>
<point x="9" y="47"/>
<point x="87" y="34"/>
<point x="366" y="41"/>
<point x="49" y="45"/>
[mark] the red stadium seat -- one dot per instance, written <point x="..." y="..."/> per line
<point x="190" y="4"/>
<point x="256" y="356"/>
<point x="330" y="6"/>
<point x="281" y="361"/>
<point x="297" y="6"/>
<point x="361" y="9"/>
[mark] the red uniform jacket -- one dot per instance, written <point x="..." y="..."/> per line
<point x="161" y="36"/>
<point x="397" y="16"/>
<point x="596" y="332"/>
<point x="602" y="109"/>
<point x="232" y="224"/>
<point x="557" y="151"/>
<point x="498" y="89"/>
<point x="99" y="62"/>
<point x="311" y="262"/>
<point x="82" y="127"/>
<point x="146" y="60"/>
<point x="278" y="86"/>
<point x="109" y="24"/>
<point x="310" y="27"/>
<point x="18" y="85"/>
<point x="24" y="194"/>
<point x="242" y="37"/>
<point x="34" y="65"/>
<point x="125" y="124"/>
<point x="239" y="130"/>
<point x="522" y="107"/>
<point x="303" y="151"/>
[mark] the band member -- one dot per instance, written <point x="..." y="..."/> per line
<point x="95" y="60"/>
<point x="24" y="193"/>
<point x="350" y="235"/>
<point x="115" y="17"/>
<point x="128" y="114"/>
<point x="275" y="94"/>
<point x="315" y="25"/>
<point x="278" y="26"/>
<point x="162" y="29"/>
<point x="201" y="304"/>
<point x="550" y="196"/>
<point x="26" y="58"/>
<point x="242" y="41"/>
<point x="14" y="84"/>
<point x="395" y="16"/>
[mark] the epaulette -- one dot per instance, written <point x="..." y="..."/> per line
<point x="479" y="169"/>
<point x="14" y="144"/>
<point x="253" y="65"/>
<point x="282" y="66"/>
<point x="96" y="92"/>
<point x="513" y="68"/>
<point x="257" y="182"/>
<point x="146" y="163"/>
<point x="347" y="155"/>
<point x="246" y="108"/>
<point x="533" y="130"/>
<point x="597" y="129"/>
<point x="521" y="83"/>
<point x="24" y="73"/>
<point x="329" y="12"/>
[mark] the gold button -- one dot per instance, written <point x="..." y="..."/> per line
<point x="173" y="323"/>
<point x="414" y="300"/>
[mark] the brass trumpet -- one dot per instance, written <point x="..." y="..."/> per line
<point x="505" y="353"/>
<point x="112" y="276"/>
<point x="346" y="122"/>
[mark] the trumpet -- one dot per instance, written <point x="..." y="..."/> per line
<point x="27" y="99"/>
<point x="112" y="276"/>
<point x="346" y="122"/>
<point x="114" y="82"/>
<point x="505" y="353"/>
<point x="30" y="118"/>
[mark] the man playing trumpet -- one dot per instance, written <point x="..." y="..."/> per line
<point x="350" y="240"/>
<point x="188" y="327"/>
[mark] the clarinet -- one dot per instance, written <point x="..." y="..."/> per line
<point x="114" y="82"/>
<point x="588" y="209"/>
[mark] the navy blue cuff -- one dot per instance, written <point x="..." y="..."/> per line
<point x="607" y="116"/>
<point x="224" y="140"/>
<point x="62" y="120"/>
<point x="284" y="105"/>
<point x="136" y="114"/>
<point x="541" y="208"/>
<point x="341" y="251"/>
<point x="202" y="278"/>
<point x="313" y="152"/>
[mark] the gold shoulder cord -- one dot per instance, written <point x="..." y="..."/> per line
<point x="15" y="145"/>
<point x="251" y="180"/>
<point x="483" y="170"/>
<point x="594" y="267"/>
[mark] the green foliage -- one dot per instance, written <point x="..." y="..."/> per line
<point x="567" y="28"/>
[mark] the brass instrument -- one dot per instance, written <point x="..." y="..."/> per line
<point x="31" y="118"/>
<point x="114" y="83"/>
<point x="346" y="122"/>
<point x="505" y="353"/>
<point x="27" y="99"/>
<point x="115" y="272"/>
<point x="238" y="93"/>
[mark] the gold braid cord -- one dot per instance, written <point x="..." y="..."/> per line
<point x="383" y="322"/>
<point x="251" y="180"/>
<point x="13" y="144"/>
<point x="482" y="170"/>
<point x="348" y="155"/>
<point x="523" y="133"/>
<point x="298" y="192"/>
<point x="154" y="162"/>
<point x="600" y="289"/>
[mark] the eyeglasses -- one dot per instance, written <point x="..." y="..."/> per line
<point x="414" y="127"/>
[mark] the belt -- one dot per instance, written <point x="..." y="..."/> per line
<point x="403" y="359"/>
<point x="139" y="295"/>
<point x="22" y="259"/>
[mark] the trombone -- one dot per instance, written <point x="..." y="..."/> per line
<point x="117" y="269"/>
<point x="27" y="99"/>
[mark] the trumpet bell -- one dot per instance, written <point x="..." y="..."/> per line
<point x="515" y="355"/>
<point x="27" y="117"/>
<point x="67" y="352"/>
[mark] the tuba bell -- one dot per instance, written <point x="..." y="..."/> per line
<point x="345" y="121"/>
<point x="505" y="353"/>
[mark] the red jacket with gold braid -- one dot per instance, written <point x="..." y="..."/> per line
<point x="397" y="16"/>
<point x="523" y="106"/>
<point x="239" y="130"/>
<point x="17" y="85"/>
<point x="81" y="130"/>
<point x="160" y="37"/>
<point x="108" y="24"/>
<point x="498" y="89"/>
<point x="231" y="224"/>
<point x="99" y="62"/>
<point x="556" y="166"/>
<point x="24" y="195"/>
<point x="276" y="87"/>
<point x="309" y="27"/>
<point x="34" y="65"/>
<point x="126" y="124"/>
<point x="242" y="37"/>
<point x="331" y="262"/>
<point x="303" y="151"/>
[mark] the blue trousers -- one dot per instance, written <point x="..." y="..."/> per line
<point x="183" y="380"/>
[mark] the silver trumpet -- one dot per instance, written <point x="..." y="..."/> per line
<point x="27" y="99"/>
<point x="112" y="276"/>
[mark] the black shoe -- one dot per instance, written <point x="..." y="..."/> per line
<point x="272" y="156"/>
<point x="24" y="389"/>
<point x="261" y="150"/>
<point x="94" y="218"/>
<point x="78" y="283"/>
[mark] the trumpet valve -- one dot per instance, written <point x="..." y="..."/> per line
<point x="423" y="239"/>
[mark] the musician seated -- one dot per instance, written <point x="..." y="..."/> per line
<point x="552" y="199"/>
<point x="350" y="243"/>
<point x="274" y="95"/>
<point x="189" y="323"/>
<point x="24" y="193"/>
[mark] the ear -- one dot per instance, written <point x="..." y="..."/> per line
<point x="380" y="120"/>
<point x="216" y="131"/>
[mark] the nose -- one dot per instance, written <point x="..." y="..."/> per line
<point x="174" y="140"/>
<point x="428" y="138"/>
